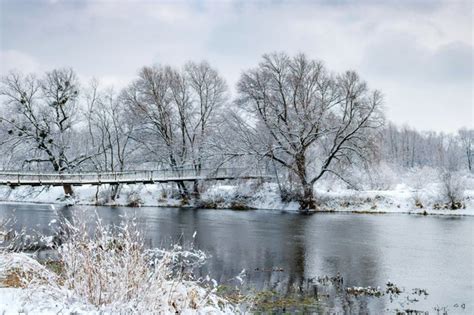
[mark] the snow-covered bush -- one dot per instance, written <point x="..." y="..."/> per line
<point x="103" y="196"/>
<point x="134" y="199"/>
<point x="381" y="176"/>
<point x="4" y="234"/>
<point x="452" y="189"/>
<point x="225" y="196"/>
<point x="375" y="176"/>
<point x="268" y="196"/>
<point x="108" y="269"/>
<point x="420" y="180"/>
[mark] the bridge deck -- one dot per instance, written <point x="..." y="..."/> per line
<point x="128" y="177"/>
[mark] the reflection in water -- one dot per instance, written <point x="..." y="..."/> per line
<point x="283" y="251"/>
<point x="343" y="245"/>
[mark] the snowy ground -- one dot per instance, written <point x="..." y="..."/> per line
<point x="48" y="299"/>
<point x="400" y="199"/>
<point x="107" y="273"/>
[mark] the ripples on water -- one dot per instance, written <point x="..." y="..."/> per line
<point x="286" y="253"/>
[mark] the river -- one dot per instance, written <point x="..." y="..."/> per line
<point x="280" y="251"/>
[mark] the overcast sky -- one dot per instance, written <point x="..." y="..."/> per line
<point x="418" y="53"/>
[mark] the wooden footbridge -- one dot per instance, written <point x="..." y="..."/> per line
<point x="11" y="178"/>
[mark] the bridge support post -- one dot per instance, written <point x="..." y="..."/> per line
<point x="114" y="191"/>
<point x="68" y="189"/>
<point x="196" y="193"/>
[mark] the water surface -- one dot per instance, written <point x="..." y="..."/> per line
<point x="429" y="252"/>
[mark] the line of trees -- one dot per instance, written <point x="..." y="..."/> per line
<point x="410" y="148"/>
<point x="290" y="113"/>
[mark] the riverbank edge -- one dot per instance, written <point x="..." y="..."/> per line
<point x="402" y="200"/>
<point x="428" y="212"/>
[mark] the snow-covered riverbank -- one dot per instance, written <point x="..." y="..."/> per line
<point x="401" y="199"/>
<point x="109" y="271"/>
<point x="39" y="292"/>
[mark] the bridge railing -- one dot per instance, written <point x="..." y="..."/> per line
<point x="9" y="177"/>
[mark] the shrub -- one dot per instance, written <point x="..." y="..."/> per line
<point x="452" y="189"/>
<point x="134" y="199"/>
<point x="103" y="196"/>
<point x="290" y="194"/>
<point x="108" y="269"/>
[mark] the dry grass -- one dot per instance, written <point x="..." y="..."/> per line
<point x="107" y="268"/>
<point x="12" y="279"/>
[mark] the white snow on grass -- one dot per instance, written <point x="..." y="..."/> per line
<point x="399" y="200"/>
<point x="43" y="294"/>
<point x="402" y="198"/>
<point x="268" y="197"/>
<point x="107" y="271"/>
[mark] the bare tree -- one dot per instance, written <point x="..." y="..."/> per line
<point x="306" y="119"/>
<point x="177" y="110"/>
<point x="40" y="115"/>
<point x="409" y="148"/>
<point x="208" y="95"/>
<point x="110" y="131"/>
<point x="452" y="188"/>
<point x="466" y="137"/>
<point x="149" y="98"/>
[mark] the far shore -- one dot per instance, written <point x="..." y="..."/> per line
<point x="399" y="200"/>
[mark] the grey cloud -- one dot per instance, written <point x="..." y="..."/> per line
<point x="409" y="49"/>
<point x="454" y="62"/>
<point x="402" y="57"/>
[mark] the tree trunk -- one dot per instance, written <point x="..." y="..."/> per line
<point x="196" y="193"/>
<point x="469" y="160"/>
<point x="68" y="190"/>
<point x="307" y="198"/>
<point x="66" y="187"/>
<point x="97" y="195"/>
<point x="114" y="189"/>
<point x="183" y="191"/>
<point x="307" y="201"/>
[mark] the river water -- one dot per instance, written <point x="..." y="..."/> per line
<point x="280" y="251"/>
